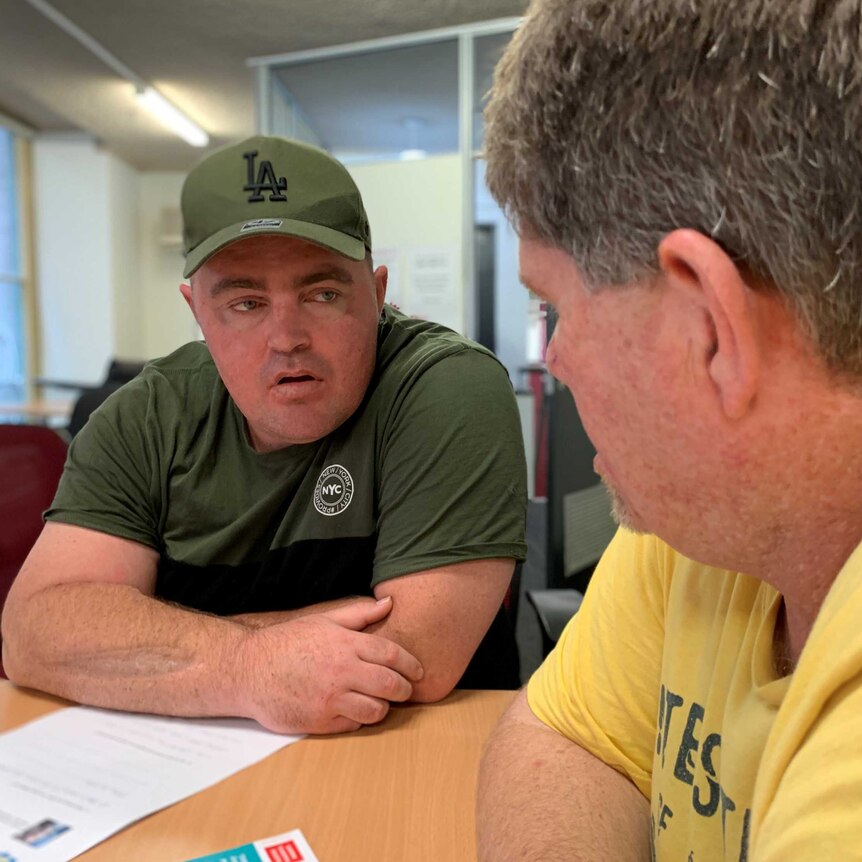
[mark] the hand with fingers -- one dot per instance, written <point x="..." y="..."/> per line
<point x="322" y="673"/>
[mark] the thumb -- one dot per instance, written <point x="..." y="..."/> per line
<point x="358" y="616"/>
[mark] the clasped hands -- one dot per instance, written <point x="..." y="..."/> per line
<point x="322" y="673"/>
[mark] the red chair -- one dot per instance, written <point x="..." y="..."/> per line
<point x="31" y="461"/>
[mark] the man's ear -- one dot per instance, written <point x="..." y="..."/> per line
<point x="381" y="279"/>
<point x="692" y="261"/>
<point x="186" y="291"/>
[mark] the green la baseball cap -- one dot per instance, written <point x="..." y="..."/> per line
<point x="271" y="185"/>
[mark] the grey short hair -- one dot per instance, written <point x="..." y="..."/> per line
<point x="613" y="122"/>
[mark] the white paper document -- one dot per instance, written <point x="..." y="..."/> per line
<point x="72" y="778"/>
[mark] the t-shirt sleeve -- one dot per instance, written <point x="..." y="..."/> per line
<point x="110" y="481"/>
<point x="600" y="685"/>
<point x="453" y="472"/>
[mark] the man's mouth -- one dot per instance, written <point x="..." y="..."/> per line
<point x="295" y="378"/>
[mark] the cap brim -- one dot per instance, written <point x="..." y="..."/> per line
<point x="342" y="243"/>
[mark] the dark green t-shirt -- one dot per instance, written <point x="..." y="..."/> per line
<point x="429" y="471"/>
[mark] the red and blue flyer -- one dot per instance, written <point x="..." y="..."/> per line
<point x="289" y="847"/>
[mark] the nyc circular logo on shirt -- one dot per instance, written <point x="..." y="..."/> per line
<point x="333" y="491"/>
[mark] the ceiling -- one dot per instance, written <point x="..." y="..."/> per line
<point x="194" y="51"/>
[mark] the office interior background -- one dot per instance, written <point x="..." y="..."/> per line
<point x="90" y="233"/>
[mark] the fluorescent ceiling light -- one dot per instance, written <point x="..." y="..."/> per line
<point x="154" y="101"/>
<point x="172" y="117"/>
<point x="412" y="154"/>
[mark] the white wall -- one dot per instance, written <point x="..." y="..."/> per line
<point x="166" y="322"/>
<point x="124" y="238"/>
<point x="414" y="208"/>
<point x="73" y="207"/>
<point x="107" y="275"/>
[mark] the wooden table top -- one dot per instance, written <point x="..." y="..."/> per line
<point x="401" y="791"/>
<point x="37" y="411"/>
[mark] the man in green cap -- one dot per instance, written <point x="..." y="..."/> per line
<point x="311" y="515"/>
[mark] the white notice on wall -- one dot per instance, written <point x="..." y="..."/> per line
<point x="70" y="779"/>
<point x="433" y="278"/>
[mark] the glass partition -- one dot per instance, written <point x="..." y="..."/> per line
<point x="397" y="104"/>
<point x="487" y="51"/>
<point x="12" y="324"/>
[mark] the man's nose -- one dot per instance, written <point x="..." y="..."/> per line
<point x="288" y="330"/>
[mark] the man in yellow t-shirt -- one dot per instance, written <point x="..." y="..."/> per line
<point x="684" y="178"/>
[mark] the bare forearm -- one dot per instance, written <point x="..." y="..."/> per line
<point x="416" y="636"/>
<point x="543" y="799"/>
<point x="441" y="615"/>
<point x="109" y="645"/>
<point x="442" y="670"/>
<point x="81" y="622"/>
<point x="271" y="618"/>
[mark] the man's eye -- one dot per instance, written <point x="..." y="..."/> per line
<point x="246" y="305"/>
<point x="325" y="296"/>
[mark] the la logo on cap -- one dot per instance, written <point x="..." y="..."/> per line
<point x="266" y="179"/>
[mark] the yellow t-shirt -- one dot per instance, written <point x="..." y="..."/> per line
<point x="666" y="673"/>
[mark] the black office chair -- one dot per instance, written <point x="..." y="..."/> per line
<point x="554" y="609"/>
<point x="87" y="402"/>
<point x="120" y="371"/>
<point x="588" y="528"/>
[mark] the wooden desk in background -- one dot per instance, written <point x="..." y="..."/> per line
<point x="37" y="412"/>
<point x="402" y="791"/>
